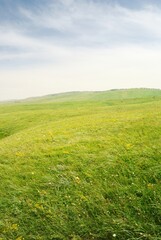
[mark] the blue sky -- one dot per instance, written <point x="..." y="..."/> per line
<point x="50" y="46"/>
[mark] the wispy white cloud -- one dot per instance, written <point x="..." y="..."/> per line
<point x="27" y="47"/>
<point x="97" y="22"/>
<point x="75" y="24"/>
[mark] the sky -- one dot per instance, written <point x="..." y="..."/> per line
<point x="53" y="46"/>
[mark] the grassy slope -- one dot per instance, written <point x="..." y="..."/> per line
<point x="81" y="166"/>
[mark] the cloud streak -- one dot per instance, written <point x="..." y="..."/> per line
<point x="74" y="24"/>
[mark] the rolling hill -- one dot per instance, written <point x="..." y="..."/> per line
<point x="81" y="166"/>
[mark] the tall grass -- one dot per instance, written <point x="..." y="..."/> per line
<point x="81" y="169"/>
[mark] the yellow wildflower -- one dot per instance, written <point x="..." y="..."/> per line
<point x="20" y="238"/>
<point x="39" y="206"/>
<point x="128" y="146"/>
<point x="150" y="185"/>
<point x="77" y="180"/>
<point x="14" y="227"/>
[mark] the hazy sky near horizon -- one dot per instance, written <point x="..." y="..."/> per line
<point x="51" y="46"/>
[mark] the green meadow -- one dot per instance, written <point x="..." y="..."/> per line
<point x="81" y="166"/>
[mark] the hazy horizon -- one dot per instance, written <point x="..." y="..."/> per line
<point x="72" y="92"/>
<point x="49" y="47"/>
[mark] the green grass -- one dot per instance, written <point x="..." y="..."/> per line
<point x="81" y="166"/>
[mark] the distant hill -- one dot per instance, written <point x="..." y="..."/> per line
<point x="114" y="94"/>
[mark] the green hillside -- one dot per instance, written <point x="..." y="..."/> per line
<point x="81" y="166"/>
<point x="101" y="95"/>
